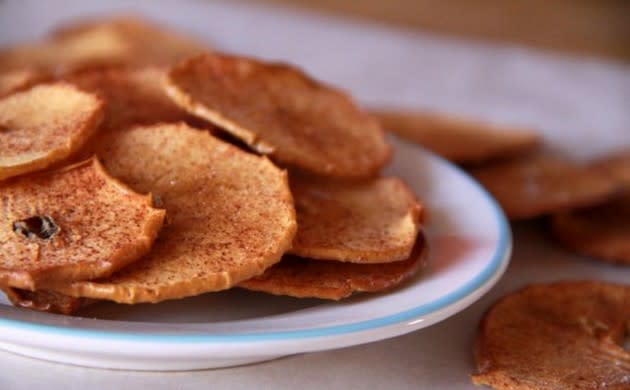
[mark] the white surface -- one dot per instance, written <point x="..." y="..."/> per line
<point x="469" y="251"/>
<point x="579" y="104"/>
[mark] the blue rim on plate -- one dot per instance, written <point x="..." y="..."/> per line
<point x="499" y="260"/>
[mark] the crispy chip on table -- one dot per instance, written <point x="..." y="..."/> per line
<point x="539" y="185"/>
<point x="564" y="335"/>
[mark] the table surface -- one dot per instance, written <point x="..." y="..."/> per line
<point x="578" y="104"/>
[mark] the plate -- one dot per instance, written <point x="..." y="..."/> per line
<point x="470" y="244"/>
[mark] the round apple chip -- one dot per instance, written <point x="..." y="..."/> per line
<point x="374" y="221"/>
<point x="538" y="185"/>
<point x="44" y="125"/>
<point x="278" y="110"/>
<point x="602" y="232"/>
<point x="71" y="224"/>
<point x="230" y="214"/>
<point x="565" y="335"/>
<point x="459" y="139"/>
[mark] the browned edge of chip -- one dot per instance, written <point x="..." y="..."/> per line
<point x="188" y="102"/>
<point x="45" y="300"/>
<point x="336" y="280"/>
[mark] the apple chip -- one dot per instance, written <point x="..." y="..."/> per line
<point x="459" y="139"/>
<point x="277" y="110"/>
<point x="373" y="221"/>
<point x="538" y="185"/>
<point x="134" y="96"/>
<point x="230" y="214"/>
<point x="602" y="232"/>
<point x="45" y="125"/>
<point x="564" y="335"/>
<point x="72" y="224"/>
<point x="307" y="278"/>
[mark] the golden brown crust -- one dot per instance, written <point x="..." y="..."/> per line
<point x="602" y="232"/>
<point x="373" y="221"/>
<point x="563" y="335"/>
<point x="278" y="110"/>
<point x="44" y="125"/>
<point x="305" y="278"/>
<point x="230" y="214"/>
<point x="459" y="139"/>
<point x="45" y="300"/>
<point x="537" y="185"/>
<point x="72" y="224"/>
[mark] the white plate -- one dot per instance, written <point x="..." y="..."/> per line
<point x="470" y="244"/>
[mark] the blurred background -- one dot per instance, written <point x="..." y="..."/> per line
<point x="591" y="27"/>
<point x="561" y="67"/>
